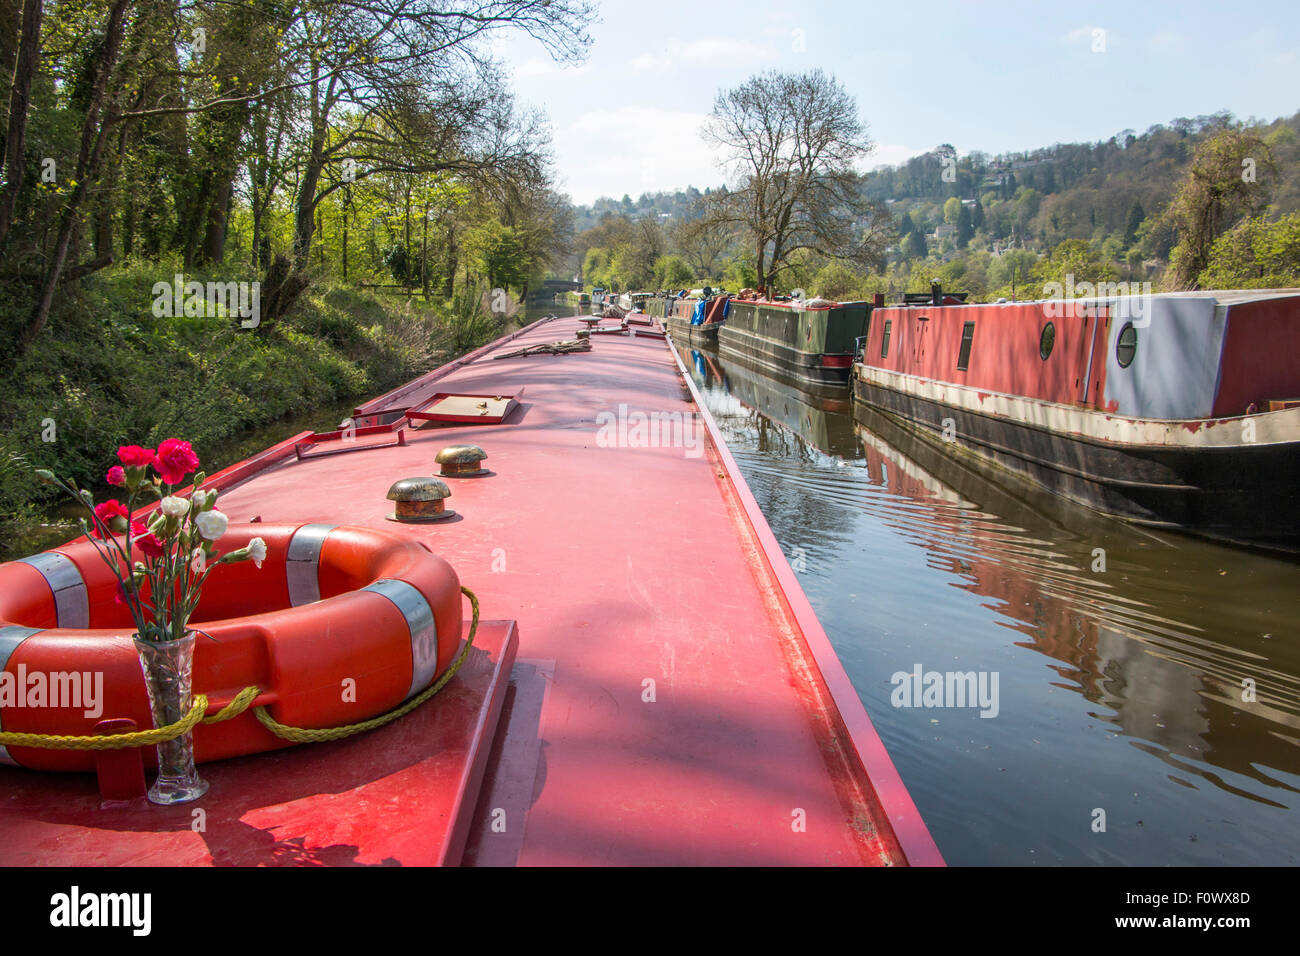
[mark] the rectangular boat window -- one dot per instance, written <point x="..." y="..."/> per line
<point x="963" y="357"/>
<point x="884" y="341"/>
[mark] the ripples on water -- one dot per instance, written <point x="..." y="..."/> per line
<point x="1120" y="690"/>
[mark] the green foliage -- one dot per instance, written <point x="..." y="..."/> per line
<point x="965" y="228"/>
<point x="1132" y="222"/>
<point x="469" y="322"/>
<point x="739" y="273"/>
<point x="914" y="246"/>
<point x="18" y="483"/>
<point x="1256" y="254"/>
<point x="951" y="210"/>
<point x="839" y="282"/>
<point x="672" y="272"/>
<point x="1223" y="183"/>
<point x="502" y="257"/>
<point x="1008" y="274"/>
<point x="1070" y="263"/>
<point x="595" y="269"/>
<point x="629" y="271"/>
<point x="106" y="372"/>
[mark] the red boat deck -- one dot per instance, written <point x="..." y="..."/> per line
<point x="627" y="570"/>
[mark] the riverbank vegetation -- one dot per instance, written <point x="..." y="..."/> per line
<point x="1209" y="202"/>
<point x="215" y="215"/>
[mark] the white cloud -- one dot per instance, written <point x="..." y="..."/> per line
<point x="634" y="150"/>
<point x="648" y="63"/>
<point x="715" y="48"/>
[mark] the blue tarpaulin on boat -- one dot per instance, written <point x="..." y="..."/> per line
<point x="697" y="318"/>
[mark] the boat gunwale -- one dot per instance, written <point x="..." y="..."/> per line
<point x="876" y="768"/>
<point x="885" y="379"/>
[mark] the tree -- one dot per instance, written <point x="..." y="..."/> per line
<point x="397" y="85"/>
<point x="1070" y="263"/>
<point x="906" y="226"/>
<point x="595" y="268"/>
<point x="173" y="101"/>
<point x="951" y="210"/>
<point x="1221" y="186"/>
<point x="705" y="243"/>
<point x="26" y="59"/>
<point x="1011" y="270"/>
<point x="672" y="272"/>
<point x="965" y="230"/>
<point x="1132" y="222"/>
<point x="1255" y="254"/>
<point x="839" y="282"/>
<point x="790" y="142"/>
<point x="914" y="247"/>
<point x="501" y="257"/>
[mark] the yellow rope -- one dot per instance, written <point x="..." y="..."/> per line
<point x="136" y="738"/>
<point x="241" y="702"/>
<point x="236" y="706"/>
<point x="315" y="735"/>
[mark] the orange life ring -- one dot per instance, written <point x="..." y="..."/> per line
<point x="340" y="624"/>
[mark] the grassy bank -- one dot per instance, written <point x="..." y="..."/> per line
<point x="107" y="372"/>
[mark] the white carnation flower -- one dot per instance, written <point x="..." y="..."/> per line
<point x="257" y="551"/>
<point x="211" y="524"/>
<point x="174" y="507"/>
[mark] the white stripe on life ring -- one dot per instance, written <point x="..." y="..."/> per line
<point x="303" y="561"/>
<point x="10" y="637"/>
<point x="71" y="604"/>
<point x="423" y="628"/>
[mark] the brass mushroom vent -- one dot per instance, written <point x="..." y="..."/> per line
<point x="461" y="461"/>
<point x="420" y="499"/>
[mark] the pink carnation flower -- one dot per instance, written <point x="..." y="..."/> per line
<point x="175" y="459"/>
<point x="106" y="511"/>
<point x="133" y="456"/>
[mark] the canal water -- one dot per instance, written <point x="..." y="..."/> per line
<point x="1142" y="691"/>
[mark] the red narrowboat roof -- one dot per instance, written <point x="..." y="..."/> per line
<point x="675" y="700"/>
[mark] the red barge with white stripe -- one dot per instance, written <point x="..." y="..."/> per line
<point x="624" y="701"/>
<point x="1178" y="411"/>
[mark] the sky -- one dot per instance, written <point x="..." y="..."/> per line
<point x="989" y="76"/>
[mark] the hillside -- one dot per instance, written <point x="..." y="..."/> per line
<point x="1108" y="195"/>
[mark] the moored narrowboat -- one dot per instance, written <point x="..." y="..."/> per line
<point x="812" y="340"/>
<point x="634" y="301"/>
<point x="1179" y="411"/>
<point x="696" y="319"/>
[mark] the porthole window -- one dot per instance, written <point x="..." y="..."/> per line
<point x="1047" y="340"/>
<point x="1126" y="345"/>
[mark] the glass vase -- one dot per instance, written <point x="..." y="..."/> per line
<point x="167" y="667"/>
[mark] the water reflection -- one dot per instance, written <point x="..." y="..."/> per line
<point x="1123" y="655"/>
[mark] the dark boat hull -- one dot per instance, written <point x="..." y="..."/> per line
<point x="1242" y="494"/>
<point x="706" y="335"/>
<point x="814" y="344"/>
<point x="782" y="359"/>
